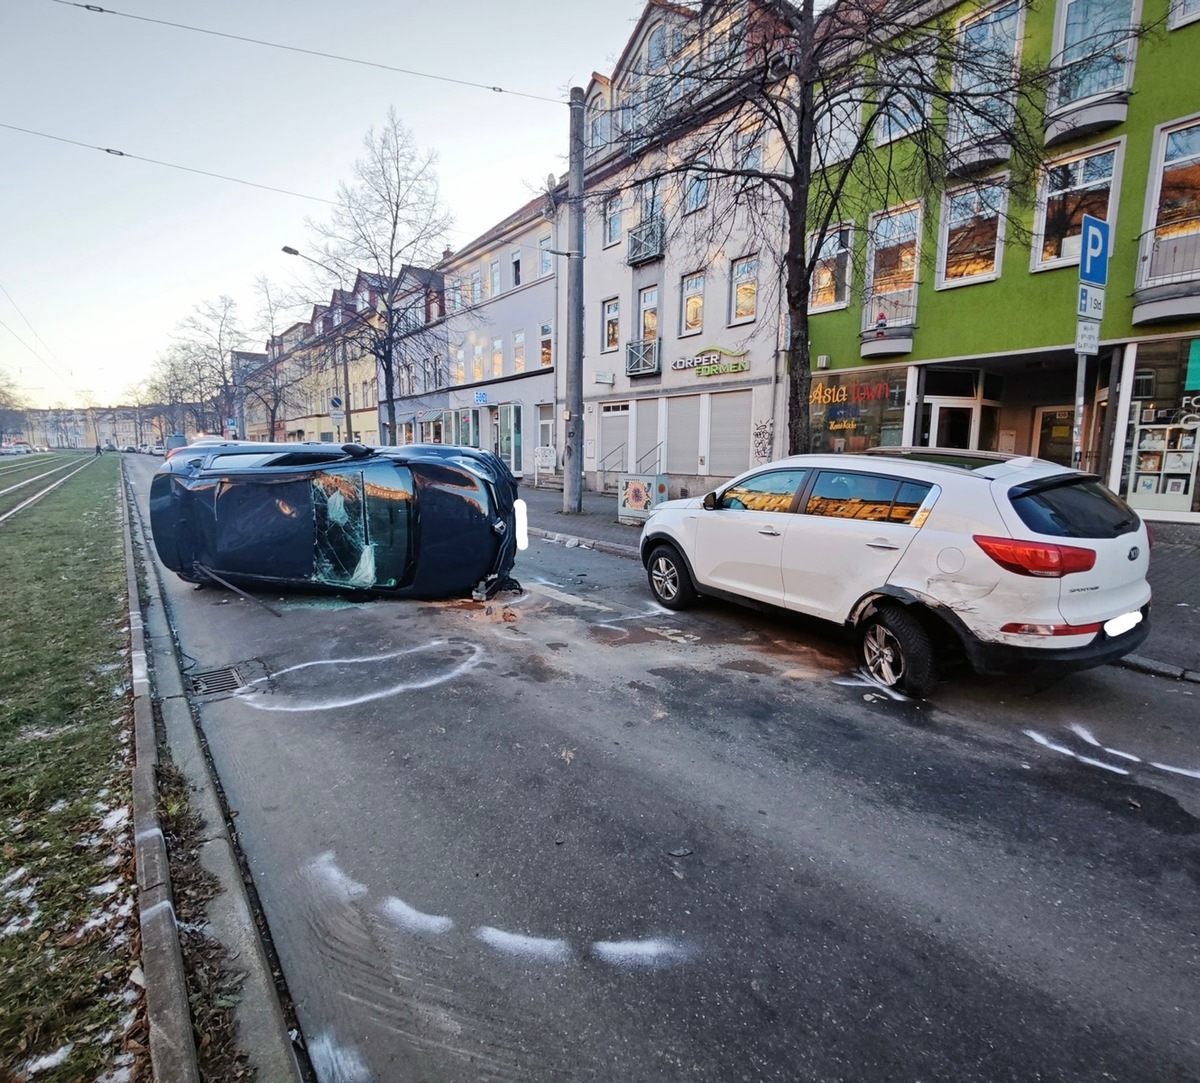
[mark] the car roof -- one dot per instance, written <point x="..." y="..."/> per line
<point x="931" y="463"/>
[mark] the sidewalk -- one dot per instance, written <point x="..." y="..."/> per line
<point x="1171" y="650"/>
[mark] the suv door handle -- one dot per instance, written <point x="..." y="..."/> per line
<point x="769" y="531"/>
<point x="882" y="543"/>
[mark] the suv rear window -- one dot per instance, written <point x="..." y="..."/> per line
<point x="1074" y="507"/>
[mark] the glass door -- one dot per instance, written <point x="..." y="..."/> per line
<point x="1054" y="427"/>
<point x="948" y="423"/>
<point x="508" y="436"/>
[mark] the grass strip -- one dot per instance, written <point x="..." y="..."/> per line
<point x="68" y="922"/>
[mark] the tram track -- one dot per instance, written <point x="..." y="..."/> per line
<point x="13" y="500"/>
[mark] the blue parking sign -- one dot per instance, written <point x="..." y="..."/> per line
<point x="1094" y="251"/>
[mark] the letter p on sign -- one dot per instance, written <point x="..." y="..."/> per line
<point x="1093" y="259"/>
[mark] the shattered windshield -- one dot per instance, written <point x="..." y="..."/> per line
<point x="362" y="526"/>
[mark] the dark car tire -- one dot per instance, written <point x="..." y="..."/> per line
<point x="897" y="652"/>
<point x="670" y="582"/>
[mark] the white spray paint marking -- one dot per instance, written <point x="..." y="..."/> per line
<point x="336" y="1063"/>
<point x="541" y="587"/>
<point x="1045" y="742"/>
<point x="864" y="680"/>
<point x="1085" y="733"/>
<point x="674" y="635"/>
<point x="263" y="704"/>
<point x="415" y="921"/>
<point x="651" y="953"/>
<point x="325" y="869"/>
<point x="1176" y="770"/>
<point x="533" y="947"/>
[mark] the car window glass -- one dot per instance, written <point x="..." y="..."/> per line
<point x="772" y="490"/>
<point x="238" y="462"/>
<point x="389" y="492"/>
<point x="344" y="558"/>
<point x="909" y="498"/>
<point x="1076" y="507"/>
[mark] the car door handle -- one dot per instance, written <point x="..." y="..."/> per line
<point x="882" y="543"/>
<point x="769" y="531"/>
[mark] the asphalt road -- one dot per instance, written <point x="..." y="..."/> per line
<point x="569" y="835"/>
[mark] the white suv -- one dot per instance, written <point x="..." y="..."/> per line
<point x="1019" y="564"/>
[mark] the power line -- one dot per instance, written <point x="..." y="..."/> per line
<point x="169" y="165"/>
<point x="53" y="369"/>
<point x="311" y="52"/>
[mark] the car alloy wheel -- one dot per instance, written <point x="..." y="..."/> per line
<point x="896" y="651"/>
<point x="669" y="579"/>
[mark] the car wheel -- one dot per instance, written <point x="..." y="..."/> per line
<point x="896" y="651"/>
<point x="670" y="582"/>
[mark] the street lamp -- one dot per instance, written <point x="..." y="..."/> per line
<point x="348" y="402"/>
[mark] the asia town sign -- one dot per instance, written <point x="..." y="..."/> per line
<point x="714" y="361"/>
<point x="830" y="395"/>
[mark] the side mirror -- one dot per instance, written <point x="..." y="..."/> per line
<point x="710" y="501"/>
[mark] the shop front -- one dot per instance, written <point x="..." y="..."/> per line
<point x="1159" y="465"/>
<point x="857" y="410"/>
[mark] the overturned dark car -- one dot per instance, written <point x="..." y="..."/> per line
<point x="418" y="521"/>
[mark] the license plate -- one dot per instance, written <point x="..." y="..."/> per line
<point x="1119" y="625"/>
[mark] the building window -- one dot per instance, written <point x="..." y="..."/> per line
<point x="692" y="305"/>
<point x="460" y="367"/>
<point x="748" y="150"/>
<point x="1184" y="11"/>
<point x="612" y="325"/>
<point x="1170" y="252"/>
<point x="830" y="285"/>
<point x="892" y="259"/>
<point x="656" y="48"/>
<point x="1071" y="188"/>
<point x="743" y="306"/>
<point x="546" y="344"/>
<point x="598" y="125"/>
<point x="454" y="294"/>
<point x="696" y="194"/>
<point x="986" y="59"/>
<point x="972" y="235"/>
<point x="648" y="308"/>
<point x="902" y="97"/>
<point x="545" y="257"/>
<point x="477" y="367"/>
<point x="612" y="220"/>
<point x="516" y="268"/>
<point x="497" y="357"/>
<point x="476" y="286"/>
<point x="494" y="278"/>
<point x="1096" y="56"/>
<point x="518" y="351"/>
<point x="651" y="201"/>
<point x="837" y="128"/>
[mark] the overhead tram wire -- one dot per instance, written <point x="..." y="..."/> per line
<point x="169" y="165"/>
<point x="311" y="52"/>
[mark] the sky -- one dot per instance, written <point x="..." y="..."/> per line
<point x="103" y="256"/>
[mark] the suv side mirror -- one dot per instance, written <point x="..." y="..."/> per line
<point x="710" y="501"/>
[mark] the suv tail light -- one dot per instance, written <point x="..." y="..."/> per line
<point x="1044" y="559"/>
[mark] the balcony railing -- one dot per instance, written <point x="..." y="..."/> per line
<point x="645" y="242"/>
<point x="1169" y="257"/>
<point x="642" y="358"/>
<point x="882" y="313"/>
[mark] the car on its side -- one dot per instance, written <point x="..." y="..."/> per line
<point x="1013" y="563"/>
<point x="418" y="521"/>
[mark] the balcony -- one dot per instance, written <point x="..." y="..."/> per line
<point x="1092" y="93"/>
<point x="645" y="242"/>
<point x="1168" y="278"/>
<point x="642" y="358"/>
<point x="888" y="320"/>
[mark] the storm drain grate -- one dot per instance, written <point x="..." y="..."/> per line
<point x="210" y="681"/>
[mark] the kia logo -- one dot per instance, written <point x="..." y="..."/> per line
<point x="1133" y="553"/>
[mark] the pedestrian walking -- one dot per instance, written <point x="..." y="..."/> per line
<point x="98" y="451"/>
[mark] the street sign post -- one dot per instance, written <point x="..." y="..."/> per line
<point x="1095" y="244"/>
<point x="336" y="413"/>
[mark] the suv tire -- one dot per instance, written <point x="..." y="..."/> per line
<point x="670" y="582"/>
<point x="897" y="652"/>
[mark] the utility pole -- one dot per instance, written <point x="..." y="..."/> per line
<point x="573" y="448"/>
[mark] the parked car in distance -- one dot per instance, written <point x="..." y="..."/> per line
<point x="1013" y="563"/>
<point x="418" y="521"/>
<point x="157" y="449"/>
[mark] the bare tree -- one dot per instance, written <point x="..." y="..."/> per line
<point x="12" y="408"/>
<point x="275" y="384"/>
<point x="389" y="225"/>
<point x="205" y="344"/>
<point x="791" y="124"/>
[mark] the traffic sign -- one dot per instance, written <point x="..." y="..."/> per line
<point x="1087" y="337"/>
<point x="1091" y="302"/>
<point x="335" y="402"/>
<point x="1094" y="252"/>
